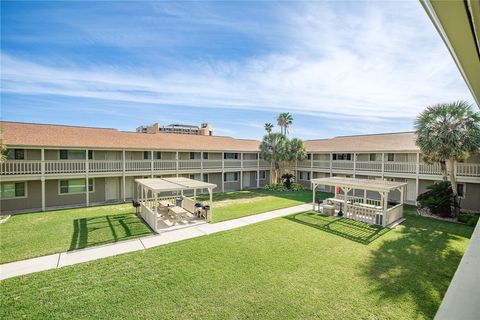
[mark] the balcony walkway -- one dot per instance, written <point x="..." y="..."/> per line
<point x="59" y="260"/>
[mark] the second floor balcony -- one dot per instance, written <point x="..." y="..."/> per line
<point x="49" y="167"/>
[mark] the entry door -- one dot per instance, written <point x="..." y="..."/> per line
<point x="247" y="180"/>
<point x="111" y="189"/>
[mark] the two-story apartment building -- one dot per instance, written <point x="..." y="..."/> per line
<point x="52" y="166"/>
<point x="48" y="166"/>
<point x="391" y="156"/>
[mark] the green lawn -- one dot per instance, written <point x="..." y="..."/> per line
<point x="231" y="205"/>
<point x="37" y="234"/>
<point x="303" y="266"/>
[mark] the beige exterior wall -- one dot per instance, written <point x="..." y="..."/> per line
<point x="53" y="198"/>
<point x="33" y="200"/>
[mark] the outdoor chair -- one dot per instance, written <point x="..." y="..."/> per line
<point x="136" y="205"/>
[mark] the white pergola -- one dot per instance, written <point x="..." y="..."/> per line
<point x="362" y="208"/>
<point x="149" y="190"/>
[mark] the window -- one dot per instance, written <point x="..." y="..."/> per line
<point x="391" y="157"/>
<point x="63" y="154"/>
<point x="342" y="156"/>
<point x="158" y="155"/>
<point x="75" y="186"/>
<point x="15" y="154"/>
<point x="461" y="190"/>
<point x="205" y="156"/>
<point x="192" y="155"/>
<point x="263" y="175"/>
<point x="309" y="156"/>
<point x="146" y="155"/>
<point x="90" y="154"/>
<point x="191" y="176"/>
<point x="304" y="175"/>
<point x="373" y="157"/>
<point x="230" y="177"/>
<point x="205" y="177"/>
<point x="13" y="190"/>
<point x="74" y="154"/>
<point x="230" y="155"/>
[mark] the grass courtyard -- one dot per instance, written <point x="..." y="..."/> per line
<point x="37" y="234"/>
<point x="302" y="266"/>
<point x="231" y="205"/>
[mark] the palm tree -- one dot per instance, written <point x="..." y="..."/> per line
<point x="273" y="149"/>
<point x="448" y="133"/>
<point x="268" y="127"/>
<point x="284" y="120"/>
<point x="296" y="152"/>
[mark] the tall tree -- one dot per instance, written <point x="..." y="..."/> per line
<point x="268" y="127"/>
<point x="448" y="133"/>
<point x="284" y="120"/>
<point x="273" y="149"/>
<point x="296" y="152"/>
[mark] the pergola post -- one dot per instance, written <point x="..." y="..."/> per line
<point x="210" y="203"/>
<point x="345" y="190"/>
<point x="194" y="194"/>
<point x="314" y="186"/>
<point x="385" y="207"/>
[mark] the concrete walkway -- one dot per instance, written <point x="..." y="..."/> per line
<point x="59" y="260"/>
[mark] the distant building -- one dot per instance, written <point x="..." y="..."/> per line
<point x="204" y="130"/>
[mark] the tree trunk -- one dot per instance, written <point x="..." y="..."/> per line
<point x="443" y="166"/>
<point x="453" y="181"/>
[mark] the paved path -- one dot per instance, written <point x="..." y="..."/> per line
<point x="58" y="260"/>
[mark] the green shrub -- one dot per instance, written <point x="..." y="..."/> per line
<point x="438" y="199"/>
<point x="297" y="187"/>
<point x="276" y="187"/>
<point x="288" y="180"/>
<point x="469" y="218"/>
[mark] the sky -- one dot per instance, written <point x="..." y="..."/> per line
<point x="339" y="67"/>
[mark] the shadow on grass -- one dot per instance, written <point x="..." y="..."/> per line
<point x="418" y="264"/>
<point x="349" y="229"/>
<point x="94" y="231"/>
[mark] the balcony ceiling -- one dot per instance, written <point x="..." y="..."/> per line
<point x="458" y="23"/>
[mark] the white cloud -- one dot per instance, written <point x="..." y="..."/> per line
<point x="372" y="62"/>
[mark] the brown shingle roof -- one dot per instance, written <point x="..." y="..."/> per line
<point x="28" y="134"/>
<point x="46" y="135"/>
<point x="403" y="141"/>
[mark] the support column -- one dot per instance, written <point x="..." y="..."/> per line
<point x="87" y="194"/>
<point x="123" y="176"/>
<point x="42" y="179"/>
<point x="383" y="164"/>
<point x="151" y="163"/>
<point x="210" y="203"/>
<point x="331" y="160"/>
<point x="417" y="179"/>
<point x="354" y="166"/>
<point x="314" y="186"/>
<point x="311" y="166"/>
<point x="176" y="162"/>
<point x="385" y="207"/>
<point x="223" y="171"/>
<point x="258" y="170"/>
<point x="365" y="196"/>
<point x="241" y="179"/>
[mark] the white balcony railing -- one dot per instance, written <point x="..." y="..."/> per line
<point x="368" y="166"/>
<point x="430" y="169"/>
<point x="232" y="163"/>
<point x="105" y="166"/>
<point x="468" y="170"/>
<point x="160" y="165"/>
<point x="32" y="167"/>
<point x="189" y="164"/>
<point x="64" y="166"/>
<point x="342" y="164"/>
<point x="138" y="165"/>
<point x="402" y="167"/>
<point x="212" y="164"/>
<point x="20" y="167"/>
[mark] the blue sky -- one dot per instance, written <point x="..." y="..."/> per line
<point x="340" y="67"/>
